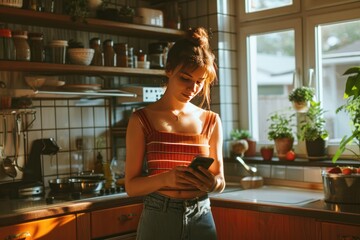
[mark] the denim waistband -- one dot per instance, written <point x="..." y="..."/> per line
<point x="165" y="202"/>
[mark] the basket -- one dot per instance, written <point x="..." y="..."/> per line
<point x="12" y="3"/>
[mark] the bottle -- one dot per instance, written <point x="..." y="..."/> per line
<point x="121" y="50"/>
<point x="131" y="57"/>
<point x="37" y="50"/>
<point x="109" y="178"/>
<point x="98" y="59"/>
<point x="109" y="53"/>
<point x="7" y="50"/>
<point x="22" y="47"/>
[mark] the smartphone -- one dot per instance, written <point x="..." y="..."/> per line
<point x="205" y="162"/>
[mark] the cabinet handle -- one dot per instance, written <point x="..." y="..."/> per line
<point x="20" y="236"/>
<point x="127" y="217"/>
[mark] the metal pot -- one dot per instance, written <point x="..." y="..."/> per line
<point x="86" y="185"/>
<point x="60" y="185"/>
<point x="340" y="188"/>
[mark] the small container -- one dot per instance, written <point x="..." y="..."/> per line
<point x="57" y="51"/>
<point x="37" y="49"/>
<point x="131" y="57"/>
<point x="7" y="50"/>
<point x="98" y="59"/>
<point x="141" y="56"/>
<point x="21" y="44"/>
<point x="157" y="54"/>
<point x="109" y="53"/>
<point x="121" y="50"/>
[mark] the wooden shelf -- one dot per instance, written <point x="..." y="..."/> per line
<point x="45" y="19"/>
<point x="63" y="69"/>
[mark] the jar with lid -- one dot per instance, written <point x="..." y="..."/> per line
<point x="109" y="53"/>
<point x="121" y="50"/>
<point x="56" y="51"/>
<point x="7" y="50"/>
<point x="21" y="44"/>
<point x="98" y="59"/>
<point x="158" y="54"/>
<point x="37" y="50"/>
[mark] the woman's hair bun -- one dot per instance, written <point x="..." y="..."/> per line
<point x="199" y="37"/>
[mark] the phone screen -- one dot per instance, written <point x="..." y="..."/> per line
<point x="205" y="162"/>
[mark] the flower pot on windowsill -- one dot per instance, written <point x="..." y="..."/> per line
<point x="301" y="106"/>
<point x="283" y="145"/>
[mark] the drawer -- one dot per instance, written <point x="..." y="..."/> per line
<point x="115" y="220"/>
<point x="47" y="229"/>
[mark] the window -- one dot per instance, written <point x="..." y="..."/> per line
<point x="282" y="51"/>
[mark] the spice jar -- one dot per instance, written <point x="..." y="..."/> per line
<point x="109" y="53"/>
<point x="21" y="44"/>
<point x="95" y="43"/>
<point x="37" y="50"/>
<point x="7" y="50"/>
<point x="57" y="51"/>
<point x="121" y="50"/>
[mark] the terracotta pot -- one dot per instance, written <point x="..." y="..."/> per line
<point x="283" y="145"/>
<point x="301" y="106"/>
<point x="251" y="152"/>
<point x="267" y="153"/>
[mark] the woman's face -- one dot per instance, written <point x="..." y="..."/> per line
<point x="185" y="84"/>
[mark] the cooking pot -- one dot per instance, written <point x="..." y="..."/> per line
<point x="340" y="188"/>
<point x="75" y="185"/>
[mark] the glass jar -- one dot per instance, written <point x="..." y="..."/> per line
<point x="98" y="59"/>
<point x="7" y="50"/>
<point x="109" y="53"/>
<point x="21" y="44"/>
<point x="121" y="50"/>
<point x="37" y="50"/>
<point x="56" y="51"/>
<point x="157" y="54"/>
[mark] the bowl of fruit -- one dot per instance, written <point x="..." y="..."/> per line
<point x="342" y="185"/>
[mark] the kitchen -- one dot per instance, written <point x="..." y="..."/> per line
<point x="59" y="118"/>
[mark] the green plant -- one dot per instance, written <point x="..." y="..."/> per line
<point x="313" y="126"/>
<point x="301" y="94"/>
<point x="352" y="108"/>
<point x="77" y="9"/>
<point x="237" y="134"/>
<point x="281" y="126"/>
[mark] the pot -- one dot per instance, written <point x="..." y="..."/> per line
<point x="340" y="188"/>
<point x="61" y="185"/>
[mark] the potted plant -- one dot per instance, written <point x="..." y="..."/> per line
<point x="342" y="185"/>
<point x="238" y="134"/>
<point x="77" y="9"/>
<point x="281" y="131"/>
<point x="312" y="131"/>
<point x="301" y="97"/>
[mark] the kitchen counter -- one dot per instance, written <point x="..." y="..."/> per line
<point x="275" y="199"/>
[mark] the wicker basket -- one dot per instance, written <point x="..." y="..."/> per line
<point x="12" y="3"/>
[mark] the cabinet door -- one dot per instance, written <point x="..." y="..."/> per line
<point x="115" y="220"/>
<point x="47" y="229"/>
<point x="246" y="225"/>
<point x="334" y="231"/>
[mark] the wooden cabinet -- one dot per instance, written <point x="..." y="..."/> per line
<point x="335" y="231"/>
<point x="115" y="221"/>
<point x="63" y="227"/>
<point x="233" y="224"/>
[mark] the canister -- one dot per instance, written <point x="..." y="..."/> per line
<point x="158" y="54"/>
<point x="37" y="50"/>
<point x="109" y="53"/>
<point x="98" y="59"/>
<point x="121" y="50"/>
<point x="7" y="50"/>
<point x="56" y="51"/>
<point x="21" y="44"/>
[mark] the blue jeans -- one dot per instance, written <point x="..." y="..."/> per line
<point x="166" y="218"/>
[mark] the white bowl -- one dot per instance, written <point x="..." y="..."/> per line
<point x="81" y="56"/>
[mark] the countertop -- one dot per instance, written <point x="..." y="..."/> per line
<point x="289" y="200"/>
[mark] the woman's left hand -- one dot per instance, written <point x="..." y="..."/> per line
<point x="202" y="179"/>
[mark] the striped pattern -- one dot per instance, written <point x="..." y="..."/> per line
<point x="165" y="150"/>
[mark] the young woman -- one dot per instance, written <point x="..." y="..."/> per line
<point x="167" y="135"/>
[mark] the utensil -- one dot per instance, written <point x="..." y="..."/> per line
<point x="249" y="169"/>
<point x="251" y="181"/>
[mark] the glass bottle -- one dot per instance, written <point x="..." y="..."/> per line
<point x="22" y="47"/>
<point x="7" y="50"/>
<point x="109" y="53"/>
<point x="98" y="59"/>
<point x="37" y="50"/>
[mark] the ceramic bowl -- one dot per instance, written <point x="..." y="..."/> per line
<point x="81" y="56"/>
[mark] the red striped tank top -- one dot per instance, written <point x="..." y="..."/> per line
<point x="165" y="150"/>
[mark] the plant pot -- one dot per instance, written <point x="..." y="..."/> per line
<point x="316" y="149"/>
<point x="251" y="152"/>
<point x="301" y="107"/>
<point x="267" y="153"/>
<point x="340" y="188"/>
<point x="239" y="147"/>
<point x="282" y="146"/>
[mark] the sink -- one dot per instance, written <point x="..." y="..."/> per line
<point x="273" y="195"/>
